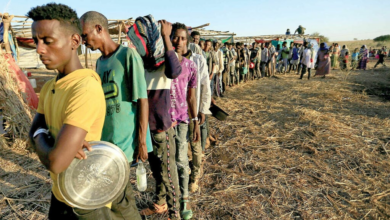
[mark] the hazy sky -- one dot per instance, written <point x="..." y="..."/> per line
<point x="336" y="19"/>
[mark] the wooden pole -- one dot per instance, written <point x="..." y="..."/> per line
<point x="7" y="22"/>
<point x="120" y="31"/>
<point x="200" y="26"/>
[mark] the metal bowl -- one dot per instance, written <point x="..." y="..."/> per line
<point x="96" y="181"/>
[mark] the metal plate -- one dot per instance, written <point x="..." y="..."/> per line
<point x="96" y="181"/>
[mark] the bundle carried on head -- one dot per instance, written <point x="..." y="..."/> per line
<point x="14" y="109"/>
<point x="145" y="34"/>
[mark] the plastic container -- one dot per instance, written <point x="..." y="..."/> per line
<point x="141" y="177"/>
<point x="33" y="83"/>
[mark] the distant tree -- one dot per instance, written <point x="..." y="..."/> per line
<point x="323" y="39"/>
<point x="355" y="39"/>
<point x="382" y="38"/>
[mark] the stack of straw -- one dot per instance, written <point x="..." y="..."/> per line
<point x="17" y="114"/>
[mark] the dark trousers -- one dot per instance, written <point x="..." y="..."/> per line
<point x="225" y="77"/>
<point x="212" y="85"/>
<point x="300" y="66"/>
<point x="304" y="68"/>
<point x="380" y="62"/>
<point x="123" y="207"/>
<point x="263" y="68"/>
<point x="344" y="65"/>
<point x="204" y="133"/>
<point x="196" y="150"/>
<point x="290" y="64"/>
<point x="163" y="165"/>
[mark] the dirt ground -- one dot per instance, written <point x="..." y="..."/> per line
<point x="291" y="149"/>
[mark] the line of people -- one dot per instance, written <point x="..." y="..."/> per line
<point x="148" y="113"/>
<point x="153" y="114"/>
<point x="235" y="63"/>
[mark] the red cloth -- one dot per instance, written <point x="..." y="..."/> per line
<point x="24" y="84"/>
<point x="141" y="39"/>
<point x="26" y="42"/>
<point x="262" y="41"/>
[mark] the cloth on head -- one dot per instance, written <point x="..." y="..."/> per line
<point x="310" y="46"/>
<point x="145" y="34"/>
<point x="325" y="47"/>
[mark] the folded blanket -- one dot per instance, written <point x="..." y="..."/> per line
<point x="145" y="34"/>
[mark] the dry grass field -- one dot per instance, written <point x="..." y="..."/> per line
<point x="358" y="44"/>
<point x="291" y="149"/>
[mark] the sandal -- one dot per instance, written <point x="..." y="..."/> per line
<point x="159" y="209"/>
<point x="185" y="214"/>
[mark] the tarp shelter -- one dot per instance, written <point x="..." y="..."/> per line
<point x="10" y="56"/>
<point x="280" y="42"/>
<point x="28" y="58"/>
<point x="271" y="37"/>
<point x="223" y="40"/>
<point x="229" y="40"/>
<point x="262" y="41"/>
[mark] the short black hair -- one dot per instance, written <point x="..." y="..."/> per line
<point x="180" y="26"/>
<point x="60" y="12"/>
<point x="95" y="18"/>
<point x="208" y="40"/>
<point x="226" y="43"/>
<point x="194" y="33"/>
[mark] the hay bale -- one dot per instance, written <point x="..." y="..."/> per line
<point x="16" y="113"/>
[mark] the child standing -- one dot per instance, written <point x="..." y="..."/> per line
<point x="355" y="59"/>
<point x="345" y="60"/>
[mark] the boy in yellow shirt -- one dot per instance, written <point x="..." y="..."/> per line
<point x="71" y="108"/>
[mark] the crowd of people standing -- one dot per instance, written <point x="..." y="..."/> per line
<point x="359" y="57"/>
<point x="236" y="63"/>
<point x="155" y="114"/>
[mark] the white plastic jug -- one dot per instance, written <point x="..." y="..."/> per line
<point x="141" y="177"/>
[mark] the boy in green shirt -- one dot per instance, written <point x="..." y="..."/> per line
<point x="123" y="80"/>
